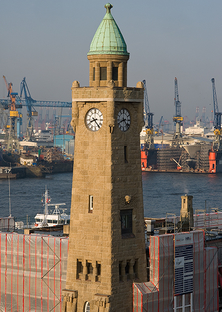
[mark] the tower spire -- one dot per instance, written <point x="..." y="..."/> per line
<point x="108" y="7"/>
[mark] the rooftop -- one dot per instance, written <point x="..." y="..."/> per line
<point x="108" y="38"/>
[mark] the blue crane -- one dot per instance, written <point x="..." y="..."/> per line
<point x="217" y="117"/>
<point x="25" y="99"/>
<point x="217" y="114"/>
<point x="30" y="109"/>
<point x="148" y="119"/>
<point x="160" y="122"/>
<point x="148" y="116"/>
<point x="178" y="119"/>
<point x="22" y="102"/>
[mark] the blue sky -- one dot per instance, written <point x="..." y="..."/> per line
<point x="47" y="42"/>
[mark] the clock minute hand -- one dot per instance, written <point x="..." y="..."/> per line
<point x="97" y="123"/>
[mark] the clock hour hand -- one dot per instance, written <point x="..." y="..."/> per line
<point x="95" y="119"/>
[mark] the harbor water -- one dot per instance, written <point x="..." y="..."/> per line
<point x="161" y="192"/>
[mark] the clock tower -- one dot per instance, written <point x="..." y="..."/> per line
<point x="107" y="243"/>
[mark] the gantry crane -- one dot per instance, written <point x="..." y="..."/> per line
<point x="217" y="118"/>
<point x="18" y="102"/>
<point x="148" y="120"/>
<point x="30" y="109"/>
<point x="12" y="138"/>
<point x="178" y="119"/>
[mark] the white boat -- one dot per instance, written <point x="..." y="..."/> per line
<point x="52" y="217"/>
<point x="43" y="136"/>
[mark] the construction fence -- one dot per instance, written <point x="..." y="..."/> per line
<point x="202" y="220"/>
<point x="32" y="272"/>
<point x="183" y="276"/>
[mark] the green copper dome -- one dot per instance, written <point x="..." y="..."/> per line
<point x="108" y="38"/>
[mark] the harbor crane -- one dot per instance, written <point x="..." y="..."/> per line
<point x="148" y="120"/>
<point x="30" y="109"/>
<point x="12" y="138"/>
<point x="217" y="118"/>
<point x="16" y="101"/>
<point x="160" y="123"/>
<point x="178" y="119"/>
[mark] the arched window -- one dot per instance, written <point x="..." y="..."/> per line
<point x="87" y="307"/>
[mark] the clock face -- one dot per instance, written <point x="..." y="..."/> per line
<point x="94" y="119"/>
<point x="123" y="119"/>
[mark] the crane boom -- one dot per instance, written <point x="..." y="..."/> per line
<point x="11" y="94"/>
<point x="12" y="137"/>
<point x="217" y="115"/>
<point x="178" y="119"/>
<point x="177" y="102"/>
<point x="148" y="116"/>
<point x="148" y="119"/>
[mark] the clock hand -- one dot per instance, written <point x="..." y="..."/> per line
<point x="97" y="123"/>
<point x="93" y="120"/>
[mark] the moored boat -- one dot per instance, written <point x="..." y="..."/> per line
<point x="51" y="217"/>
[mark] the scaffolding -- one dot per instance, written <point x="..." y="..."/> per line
<point x="32" y="272"/>
<point x="182" y="279"/>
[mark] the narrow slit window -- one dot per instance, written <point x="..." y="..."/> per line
<point x="90" y="203"/>
<point x="127" y="269"/>
<point x="126" y="221"/>
<point x="98" y="271"/>
<point x="120" y="271"/>
<point x="89" y="268"/>
<point x="125" y="154"/>
<point x="135" y="268"/>
<point x="79" y="268"/>
<point x="94" y="73"/>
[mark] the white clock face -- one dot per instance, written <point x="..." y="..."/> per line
<point x="123" y="119"/>
<point x="94" y="119"/>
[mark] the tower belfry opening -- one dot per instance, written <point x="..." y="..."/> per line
<point x="106" y="246"/>
<point x="108" y="54"/>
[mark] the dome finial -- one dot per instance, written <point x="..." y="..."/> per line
<point x="108" y="7"/>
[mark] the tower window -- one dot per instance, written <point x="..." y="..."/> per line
<point x="89" y="268"/>
<point x="94" y="73"/>
<point x="120" y="271"/>
<point x="135" y="268"/>
<point x="91" y="203"/>
<point x="103" y="73"/>
<point x="98" y="271"/>
<point x="127" y="269"/>
<point x="125" y="154"/>
<point x="115" y="73"/>
<point x="126" y="221"/>
<point x="79" y="268"/>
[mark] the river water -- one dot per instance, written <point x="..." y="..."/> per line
<point x="161" y="192"/>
